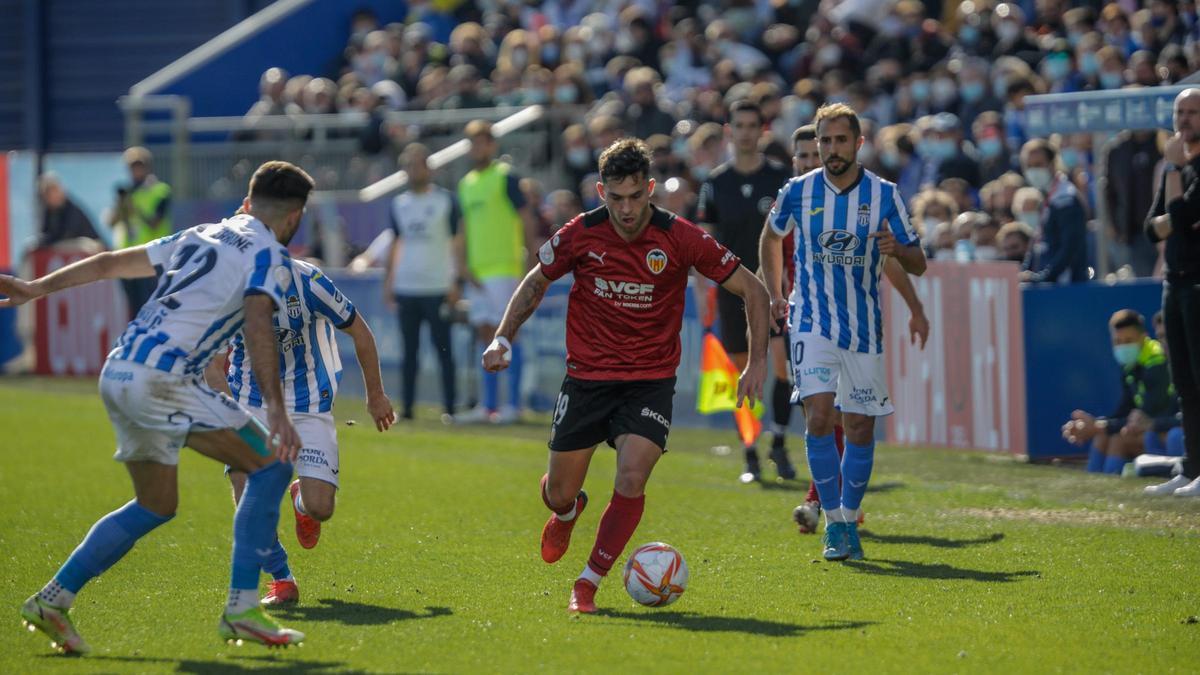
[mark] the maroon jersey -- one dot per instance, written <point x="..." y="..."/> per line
<point x="626" y="304"/>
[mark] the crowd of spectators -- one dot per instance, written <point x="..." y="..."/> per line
<point x="941" y="86"/>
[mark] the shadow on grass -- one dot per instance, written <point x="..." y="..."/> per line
<point x="355" y="613"/>
<point x="784" y="485"/>
<point x="936" y="542"/>
<point x="917" y="570"/>
<point x="888" y="486"/>
<point x="703" y="623"/>
<point x="235" y="664"/>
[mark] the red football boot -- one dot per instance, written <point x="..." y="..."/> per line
<point x="583" y="597"/>
<point x="556" y="535"/>
<point x="308" y="529"/>
<point x="282" y="592"/>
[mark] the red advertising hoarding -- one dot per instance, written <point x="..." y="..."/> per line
<point x="967" y="388"/>
<point x="77" y="327"/>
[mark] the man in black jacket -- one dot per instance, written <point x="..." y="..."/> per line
<point x="1175" y="218"/>
<point x="1128" y="193"/>
<point x="62" y="219"/>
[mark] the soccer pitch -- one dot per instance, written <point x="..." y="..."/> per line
<point x="431" y="564"/>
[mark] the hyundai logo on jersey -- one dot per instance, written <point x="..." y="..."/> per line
<point x="838" y="241"/>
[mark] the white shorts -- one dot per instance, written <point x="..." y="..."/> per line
<point x="318" y="444"/>
<point x="858" y="379"/>
<point x="489" y="301"/>
<point x="153" y="411"/>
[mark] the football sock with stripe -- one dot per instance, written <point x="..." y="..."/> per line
<point x="856" y="473"/>
<point x="823" y="466"/>
<point x="107" y="542"/>
<point x="617" y="525"/>
<point x="276" y="563"/>
<point x="254" y="526"/>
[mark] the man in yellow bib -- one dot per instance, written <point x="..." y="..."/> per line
<point x="499" y="228"/>
<point x="141" y="215"/>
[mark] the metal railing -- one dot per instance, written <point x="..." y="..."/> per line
<point x="213" y="157"/>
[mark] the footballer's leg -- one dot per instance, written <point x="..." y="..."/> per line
<point x="856" y="473"/>
<point x="781" y="407"/>
<point x="636" y="457"/>
<point x="314" y="493"/>
<point x="826" y="472"/>
<point x="282" y="589"/>
<point x="107" y="542"/>
<point x="562" y="492"/>
<point x="580" y="423"/>
<point x="254" y="528"/>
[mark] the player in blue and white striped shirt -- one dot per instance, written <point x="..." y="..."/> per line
<point x="211" y="279"/>
<point x="844" y="220"/>
<point x="311" y="369"/>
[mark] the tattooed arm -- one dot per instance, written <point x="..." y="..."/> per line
<point x="526" y="299"/>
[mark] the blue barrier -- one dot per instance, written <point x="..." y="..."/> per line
<point x="1068" y="354"/>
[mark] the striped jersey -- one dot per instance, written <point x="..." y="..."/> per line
<point x="308" y="355"/>
<point x="204" y="274"/>
<point x="836" y="286"/>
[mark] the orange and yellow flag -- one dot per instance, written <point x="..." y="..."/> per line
<point x="718" y="390"/>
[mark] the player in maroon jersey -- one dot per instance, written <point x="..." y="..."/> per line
<point x="630" y="262"/>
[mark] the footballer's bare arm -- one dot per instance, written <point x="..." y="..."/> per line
<point x="124" y="264"/>
<point x="754" y="294"/>
<point x="524" y="301"/>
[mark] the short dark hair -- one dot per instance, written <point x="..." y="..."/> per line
<point x="745" y="105"/>
<point x="624" y="158"/>
<point x="808" y="132"/>
<point x="833" y="111"/>
<point x="1127" y="318"/>
<point x="283" y="183"/>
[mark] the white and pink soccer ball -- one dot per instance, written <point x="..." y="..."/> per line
<point x="656" y="575"/>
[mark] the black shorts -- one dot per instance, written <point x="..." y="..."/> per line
<point x="731" y="311"/>
<point x="590" y="411"/>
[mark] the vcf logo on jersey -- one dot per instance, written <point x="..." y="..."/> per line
<point x="839" y="246"/>
<point x="656" y="260"/>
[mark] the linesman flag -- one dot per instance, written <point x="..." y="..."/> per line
<point x="718" y="390"/>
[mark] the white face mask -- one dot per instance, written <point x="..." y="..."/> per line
<point x="1039" y="177"/>
<point x="1030" y="218"/>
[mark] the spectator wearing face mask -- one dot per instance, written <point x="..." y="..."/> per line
<point x="1146" y="392"/>
<point x="994" y="157"/>
<point x="1062" y="223"/>
<point x="1012" y="37"/>
<point x="974" y="94"/>
<point x="942" y="149"/>
<point x="644" y="117"/>
<point x="1059" y="69"/>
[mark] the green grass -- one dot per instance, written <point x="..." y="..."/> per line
<point x="975" y="563"/>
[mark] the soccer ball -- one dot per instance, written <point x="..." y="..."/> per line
<point x="656" y="575"/>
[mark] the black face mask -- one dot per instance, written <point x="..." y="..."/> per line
<point x="888" y="86"/>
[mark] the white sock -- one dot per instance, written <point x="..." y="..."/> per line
<point x="54" y="594"/>
<point x="590" y="574"/>
<point x="834" y="516"/>
<point x="569" y="515"/>
<point x="299" y="503"/>
<point x="241" y="599"/>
